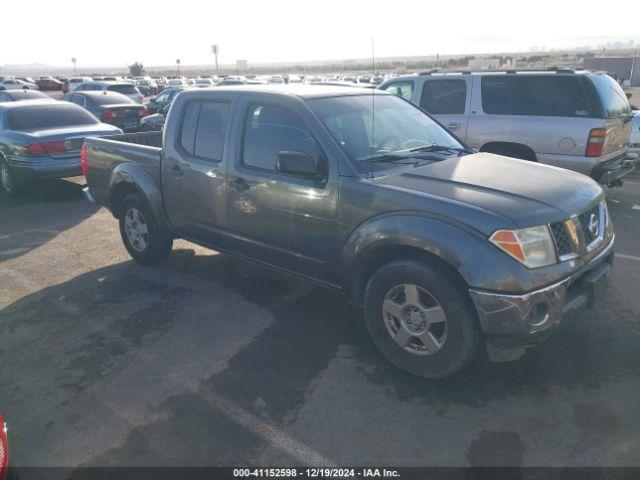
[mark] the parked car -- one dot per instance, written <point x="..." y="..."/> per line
<point x="165" y="98"/>
<point x="444" y="248"/>
<point x="42" y="139"/>
<point x="147" y="86"/>
<point x="204" y="83"/>
<point x="16" y="84"/>
<point x="176" y="83"/>
<point x="49" y="84"/>
<point x="227" y="82"/>
<point x="71" y="84"/>
<point x="125" y="88"/>
<point x="155" y="122"/>
<point x="110" y="107"/>
<point x="574" y="120"/>
<point x="16" y="95"/>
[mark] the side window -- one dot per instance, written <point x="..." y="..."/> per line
<point x="402" y="89"/>
<point x="271" y="129"/>
<point x="188" y="128"/>
<point x="211" y="130"/>
<point x="444" y="96"/>
<point x="163" y="97"/>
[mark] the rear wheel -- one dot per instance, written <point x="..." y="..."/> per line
<point x="421" y="319"/>
<point x="140" y="232"/>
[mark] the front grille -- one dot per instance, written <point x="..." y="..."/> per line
<point x="590" y="224"/>
<point x="561" y="237"/>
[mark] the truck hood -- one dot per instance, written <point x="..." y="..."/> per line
<point x="525" y="192"/>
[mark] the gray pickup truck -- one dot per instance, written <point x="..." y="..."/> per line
<point x="447" y="250"/>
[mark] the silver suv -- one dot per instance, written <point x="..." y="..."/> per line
<point x="575" y="120"/>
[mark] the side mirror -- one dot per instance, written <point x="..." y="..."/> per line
<point x="297" y="163"/>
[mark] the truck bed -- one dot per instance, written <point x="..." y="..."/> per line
<point x="118" y="155"/>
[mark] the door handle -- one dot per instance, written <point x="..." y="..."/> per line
<point x="177" y="171"/>
<point x="240" y="185"/>
<point x="454" y="126"/>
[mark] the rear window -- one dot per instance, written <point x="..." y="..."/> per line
<point x="614" y="101"/>
<point x="540" y="95"/>
<point x="111" y="99"/>
<point x="27" y="94"/>
<point x="43" y="117"/>
<point x="124" y="89"/>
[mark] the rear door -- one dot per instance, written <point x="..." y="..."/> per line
<point x="193" y="174"/>
<point x="449" y="101"/>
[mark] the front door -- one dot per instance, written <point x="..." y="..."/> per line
<point x="286" y="220"/>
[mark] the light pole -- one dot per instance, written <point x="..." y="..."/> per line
<point x="178" y="63"/>
<point x="214" y="50"/>
<point x="75" y="69"/>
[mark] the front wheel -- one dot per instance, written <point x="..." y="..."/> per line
<point x="421" y="319"/>
<point x="140" y="232"/>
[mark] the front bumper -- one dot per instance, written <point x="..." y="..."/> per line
<point x="521" y="320"/>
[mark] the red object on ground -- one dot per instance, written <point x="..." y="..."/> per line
<point x="4" y="450"/>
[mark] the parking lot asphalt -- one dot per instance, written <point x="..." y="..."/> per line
<point x="207" y="360"/>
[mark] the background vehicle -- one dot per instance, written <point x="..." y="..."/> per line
<point x="125" y="88"/>
<point x="204" y="83"/>
<point x="42" y="139"/>
<point x="155" y="122"/>
<point x="176" y="83"/>
<point x="574" y="120"/>
<point x="17" y="85"/>
<point x="147" y="86"/>
<point x="49" y="84"/>
<point x="71" y="84"/>
<point x="16" y="95"/>
<point x="408" y="223"/>
<point x="110" y="107"/>
<point x="165" y="98"/>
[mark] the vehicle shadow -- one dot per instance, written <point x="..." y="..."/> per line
<point x="33" y="217"/>
<point x="96" y="324"/>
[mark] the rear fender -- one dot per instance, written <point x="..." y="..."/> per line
<point x="128" y="178"/>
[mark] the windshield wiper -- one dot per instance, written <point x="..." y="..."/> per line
<point x="388" y="158"/>
<point x="434" y="147"/>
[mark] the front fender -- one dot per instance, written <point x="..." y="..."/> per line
<point x="131" y="176"/>
<point x="451" y="242"/>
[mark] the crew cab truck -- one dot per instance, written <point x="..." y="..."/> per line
<point x="446" y="250"/>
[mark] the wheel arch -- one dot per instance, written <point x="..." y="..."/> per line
<point x="128" y="178"/>
<point x="518" y="150"/>
<point x="396" y="237"/>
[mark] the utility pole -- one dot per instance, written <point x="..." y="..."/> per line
<point x="178" y="63"/>
<point x="75" y="69"/>
<point x="214" y="50"/>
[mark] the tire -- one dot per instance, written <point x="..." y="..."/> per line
<point x="451" y="344"/>
<point x="8" y="183"/>
<point x="140" y="232"/>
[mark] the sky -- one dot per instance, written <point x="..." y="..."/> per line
<point x="118" y="33"/>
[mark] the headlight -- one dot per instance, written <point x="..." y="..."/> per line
<point x="532" y="246"/>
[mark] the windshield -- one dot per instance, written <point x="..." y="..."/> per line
<point x="396" y="128"/>
<point x="126" y="89"/>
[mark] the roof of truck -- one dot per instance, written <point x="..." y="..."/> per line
<point x="297" y="90"/>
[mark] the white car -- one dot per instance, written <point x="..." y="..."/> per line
<point x="14" y="84"/>
<point x="73" y="82"/>
<point x="176" y="82"/>
<point x="204" y="83"/>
